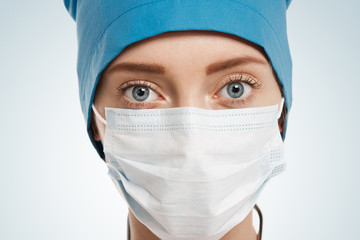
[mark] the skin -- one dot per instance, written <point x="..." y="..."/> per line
<point x="185" y="57"/>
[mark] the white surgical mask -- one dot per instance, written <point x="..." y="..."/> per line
<point x="192" y="173"/>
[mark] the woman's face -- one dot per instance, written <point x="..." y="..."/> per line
<point x="210" y="70"/>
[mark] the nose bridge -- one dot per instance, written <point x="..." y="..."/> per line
<point x="190" y="94"/>
<point x="189" y="82"/>
<point x="189" y="102"/>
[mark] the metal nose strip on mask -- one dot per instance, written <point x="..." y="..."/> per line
<point x="97" y="114"/>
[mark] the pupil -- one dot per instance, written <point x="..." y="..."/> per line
<point x="236" y="89"/>
<point x="141" y="92"/>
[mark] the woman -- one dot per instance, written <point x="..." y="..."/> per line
<point x="184" y="100"/>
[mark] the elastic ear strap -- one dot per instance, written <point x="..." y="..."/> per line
<point x="281" y="107"/>
<point x="259" y="235"/>
<point x="98" y="115"/>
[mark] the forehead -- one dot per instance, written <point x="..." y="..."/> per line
<point x="197" y="45"/>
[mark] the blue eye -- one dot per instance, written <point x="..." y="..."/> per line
<point x="235" y="90"/>
<point x="140" y="93"/>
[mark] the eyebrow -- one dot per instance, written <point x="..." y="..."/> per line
<point x="219" y="66"/>
<point x="160" y="69"/>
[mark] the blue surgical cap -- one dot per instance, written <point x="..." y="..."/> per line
<point x="105" y="28"/>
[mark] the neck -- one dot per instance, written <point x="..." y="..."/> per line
<point x="243" y="231"/>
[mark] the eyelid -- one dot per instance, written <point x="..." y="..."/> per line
<point x="244" y="77"/>
<point x="139" y="82"/>
<point x="237" y="77"/>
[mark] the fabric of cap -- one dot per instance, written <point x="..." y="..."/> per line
<point x="105" y="28"/>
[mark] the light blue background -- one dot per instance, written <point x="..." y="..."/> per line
<point x="54" y="186"/>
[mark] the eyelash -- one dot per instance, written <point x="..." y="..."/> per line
<point x="250" y="80"/>
<point x="254" y="83"/>
<point x="132" y="83"/>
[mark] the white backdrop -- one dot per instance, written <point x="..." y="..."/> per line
<point x="54" y="186"/>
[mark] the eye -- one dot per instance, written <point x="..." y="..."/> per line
<point x="140" y="93"/>
<point x="235" y="90"/>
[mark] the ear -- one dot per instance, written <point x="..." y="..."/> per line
<point x="96" y="135"/>
<point x="281" y="121"/>
<point x="281" y="125"/>
<point x="94" y="128"/>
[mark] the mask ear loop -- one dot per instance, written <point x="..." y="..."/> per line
<point x="259" y="235"/>
<point x="281" y="108"/>
<point x="98" y="114"/>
